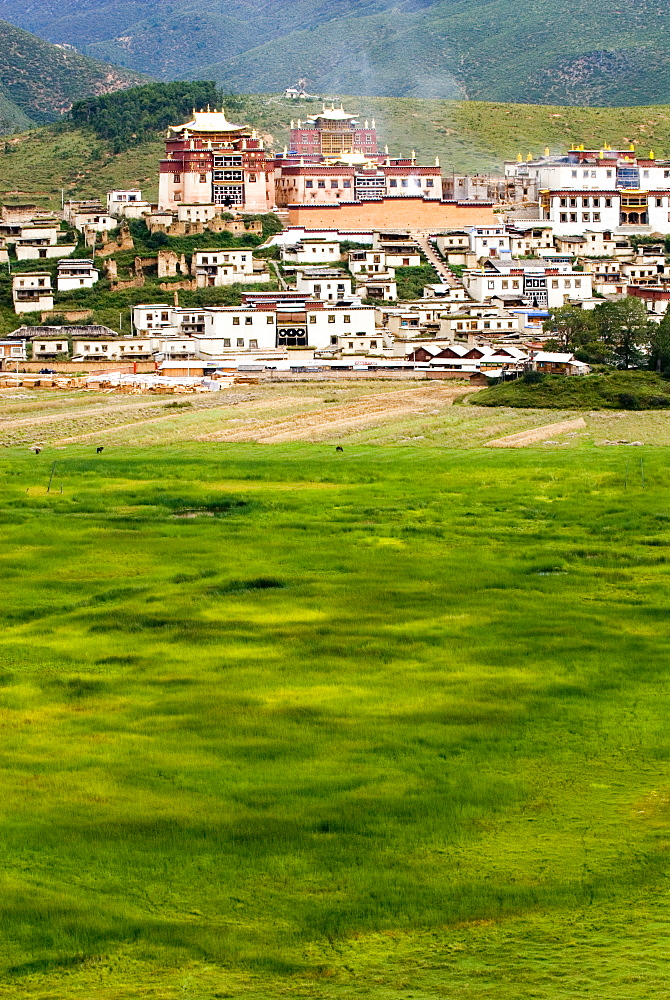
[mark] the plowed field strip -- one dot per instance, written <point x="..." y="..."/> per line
<point x="372" y="408"/>
<point x="522" y="438"/>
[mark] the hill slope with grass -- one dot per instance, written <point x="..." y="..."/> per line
<point x="40" y="81"/>
<point x="612" y="391"/>
<point x="467" y="136"/>
<point x="568" y="51"/>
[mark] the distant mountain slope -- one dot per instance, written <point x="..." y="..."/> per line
<point x="39" y="81"/>
<point x="12" y="118"/>
<point x="467" y="136"/>
<point x="589" y="52"/>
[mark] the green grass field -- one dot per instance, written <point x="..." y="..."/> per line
<point x="277" y="722"/>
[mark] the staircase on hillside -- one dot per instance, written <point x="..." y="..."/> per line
<point x="446" y="275"/>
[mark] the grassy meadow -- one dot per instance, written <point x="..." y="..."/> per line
<point x="281" y="722"/>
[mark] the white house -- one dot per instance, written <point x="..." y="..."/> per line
<point x="269" y="325"/>
<point x="217" y="267"/>
<point x="489" y="241"/>
<point x="73" y="274"/>
<point x="129" y="204"/>
<point x="366" y="262"/>
<point x="537" y="284"/>
<point x="197" y="213"/>
<point x="27" y="250"/>
<point x="323" y="283"/>
<point x="32" y="292"/>
<point x="311" y="251"/>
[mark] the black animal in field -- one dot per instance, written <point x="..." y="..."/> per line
<point x="339" y="448"/>
<point x="99" y="449"/>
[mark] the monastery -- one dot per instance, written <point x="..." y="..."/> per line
<point x="332" y="174"/>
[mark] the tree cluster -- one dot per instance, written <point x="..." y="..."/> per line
<point x="129" y="117"/>
<point x="614" y="333"/>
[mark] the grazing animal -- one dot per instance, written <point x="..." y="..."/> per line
<point x="339" y="448"/>
<point x="37" y="450"/>
<point x="98" y="450"/>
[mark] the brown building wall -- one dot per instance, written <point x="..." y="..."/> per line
<point x="410" y="213"/>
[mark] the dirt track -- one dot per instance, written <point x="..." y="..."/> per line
<point x="374" y="408"/>
<point x="523" y="438"/>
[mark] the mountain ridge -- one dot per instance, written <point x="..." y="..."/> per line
<point x="40" y="81"/>
<point x="585" y="52"/>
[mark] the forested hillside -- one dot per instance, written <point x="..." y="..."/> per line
<point x="40" y="81"/>
<point x="589" y="52"/>
<point x="115" y="140"/>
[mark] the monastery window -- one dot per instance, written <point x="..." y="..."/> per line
<point x="578" y="282"/>
<point x="351" y="347"/>
<point x="269" y="320"/>
<point x="252" y="178"/>
<point x="574" y="173"/>
<point x="554" y="284"/>
<point x="333" y="340"/>
<point x="487" y="325"/>
<point x="334" y="184"/>
<point x="573" y="216"/>
<point x="248" y="320"/>
<point x="645" y="173"/>
<point x="309" y="184"/>
<point x="417" y="182"/>
<point x="346" y="184"/>
<point x="321" y="184"/>
<point x="312" y="319"/>
<point x="373" y="343"/>
<point x="430" y="183"/>
<point x="331" y="318"/>
<point x="253" y="344"/>
<point x="586" y="216"/>
<point x="573" y="203"/>
<point x="505" y="284"/>
<point x="596" y="216"/>
<point x="586" y="173"/>
<point x="236" y="320"/>
<point x="368" y="138"/>
<point x="567" y="284"/>
<point x="593" y="173"/>
<point x="608" y="202"/>
<point x="226" y="342"/>
<point x="609" y="173"/>
<point x="491" y="284"/>
<point x="515" y="284"/>
<point x="203" y="178"/>
<point x="347" y="319"/>
<point x="564" y="202"/>
<point x="240" y="342"/>
<point x="403" y="182"/>
<point x="164" y="317"/>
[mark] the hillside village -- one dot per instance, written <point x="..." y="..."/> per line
<point x="332" y="254"/>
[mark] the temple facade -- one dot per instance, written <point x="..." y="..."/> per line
<point x="211" y="161"/>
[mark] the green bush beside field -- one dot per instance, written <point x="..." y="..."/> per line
<point x="638" y="390"/>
